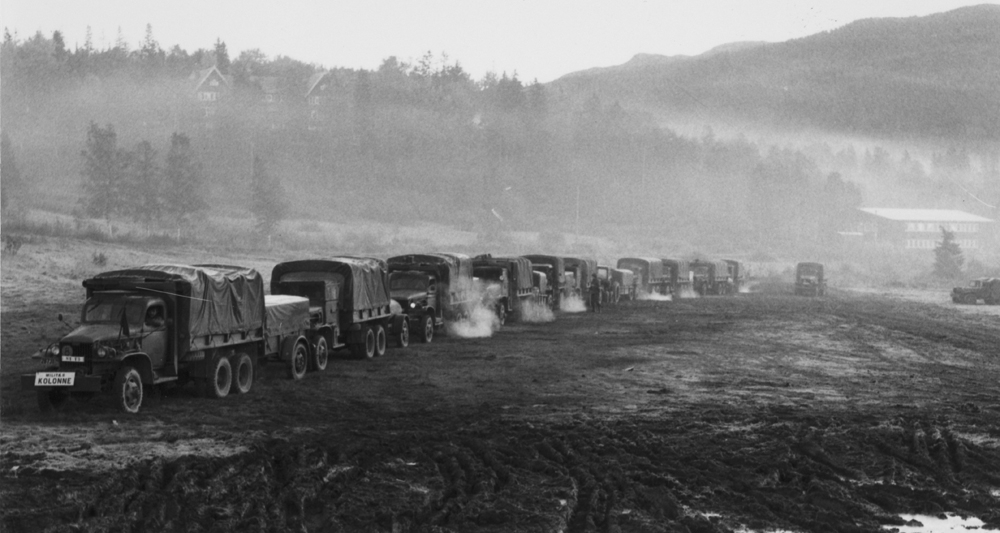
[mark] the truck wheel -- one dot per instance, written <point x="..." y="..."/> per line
<point x="299" y="361"/>
<point x="51" y="400"/>
<point x="220" y="378"/>
<point x="381" y="339"/>
<point x="242" y="367"/>
<point x="401" y="331"/>
<point x="321" y="354"/>
<point x="128" y="389"/>
<point x="427" y="329"/>
<point x="366" y="348"/>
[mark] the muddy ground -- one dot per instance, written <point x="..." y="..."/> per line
<point x="754" y="412"/>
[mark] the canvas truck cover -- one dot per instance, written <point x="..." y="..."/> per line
<point x="558" y="264"/>
<point x="651" y="267"/>
<point x="366" y="279"/>
<point x="457" y="267"/>
<point x="520" y="268"/>
<point x="285" y="314"/>
<point x="221" y="298"/>
<point x="588" y="267"/>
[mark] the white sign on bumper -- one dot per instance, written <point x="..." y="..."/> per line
<point x="54" y="379"/>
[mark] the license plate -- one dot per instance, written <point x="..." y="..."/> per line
<point x="54" y="379"/>
<point x="72" y="358"/>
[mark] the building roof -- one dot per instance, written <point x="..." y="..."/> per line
<point x="201" y="76"/>
<point x="314" y="81"/>
<point x="924" y="215"/>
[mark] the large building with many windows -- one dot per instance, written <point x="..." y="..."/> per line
<point x="920" y="229"/>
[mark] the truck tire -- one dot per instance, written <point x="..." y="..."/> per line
<point x="401" y="331"/>
<point x="298" y="363"/>
<point x="242" y="366"/>
<point x="321" y="354"/>
<point x="427" y="329"/>
<point x="366" y="348"/>
<point x="381" y="340"/>
<point x="128" y="389"/>
<point x="219" y="379"/>
<point x="51" y="399"/>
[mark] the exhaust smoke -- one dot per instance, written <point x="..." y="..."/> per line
<point x="572" y="304"/>
<point x="536" y="312"/>
<point x="656" y="297"/>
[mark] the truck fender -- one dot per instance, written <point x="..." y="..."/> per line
<point x="141" y="363"/>
<point x="288" y="345"/>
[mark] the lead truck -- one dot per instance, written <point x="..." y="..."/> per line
<point x="157" y="324"/>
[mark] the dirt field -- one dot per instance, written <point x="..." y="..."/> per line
<point x="757" y="412"/>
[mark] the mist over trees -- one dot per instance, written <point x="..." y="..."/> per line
<point x="423" y="141"/>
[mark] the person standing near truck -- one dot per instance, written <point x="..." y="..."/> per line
<point x="595" y="294"/>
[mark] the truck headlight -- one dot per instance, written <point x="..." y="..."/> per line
<point x="52" y="351"/>
<point x="413" y="305"/>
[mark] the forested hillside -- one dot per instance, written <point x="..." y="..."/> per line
<point x="422" y="140"/>
<point x="913" y="78"/>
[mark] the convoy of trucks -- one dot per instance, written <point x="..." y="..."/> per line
<point x="214" y="326"/>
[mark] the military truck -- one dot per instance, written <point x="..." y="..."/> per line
<point x="555" y="272"/>
<point x="349" y="304"/>
<point x="710" y="277"/>
<point x="985" y="289"/>
<point x="432" y="288"/>
<point x="737" y="274"/>
<point x="540" y="282"/>
<point x="648" y="272"/>
<point x="578" y="274"/>
<point x="157" y="324"/>
<point x="621" y="283"/>
<point x="678" y="278"/>
<point x="507" y="284"/>
<point x="809" y="280"/>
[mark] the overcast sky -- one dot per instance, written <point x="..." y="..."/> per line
<point x="539" y="39"/>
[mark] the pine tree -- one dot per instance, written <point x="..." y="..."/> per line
<point x="103" y="173"/>
<point x="221" y="57"/>
<point x="144" y="198"/>
<point x="11" y="183"/>
<point x="268" y="203"/>
<point x="948" y="258"/>
<point x="182" y="181"/>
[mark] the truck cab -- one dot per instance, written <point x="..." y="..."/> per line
<point x="417" y="294"/>
<point x="809" y="280"/>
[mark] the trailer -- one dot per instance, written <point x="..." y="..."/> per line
<point x="349" y="303"/>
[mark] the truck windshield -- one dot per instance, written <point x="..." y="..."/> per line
<point x="408" y="283"/>
<point x="109" y="309"/>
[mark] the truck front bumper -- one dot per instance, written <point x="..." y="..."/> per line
<point x="81" y="382"/>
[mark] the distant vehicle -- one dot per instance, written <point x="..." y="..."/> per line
<point x="737" y="274"/>
<point x="578" y="274"/>
<point x="507" y="284"/>
<point x="156" y="324"/>
<point x="809" y="280"/>
<point x="677" y="275"/>
<point x="432" y="289"/>
<point x="650" y="277"/>
<point x="554" y="268"/>
<point x="621" y="283"/>
<point x="710" y="277"/>
<point x="349" y="303"/>
<point x="985" y="289"/>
